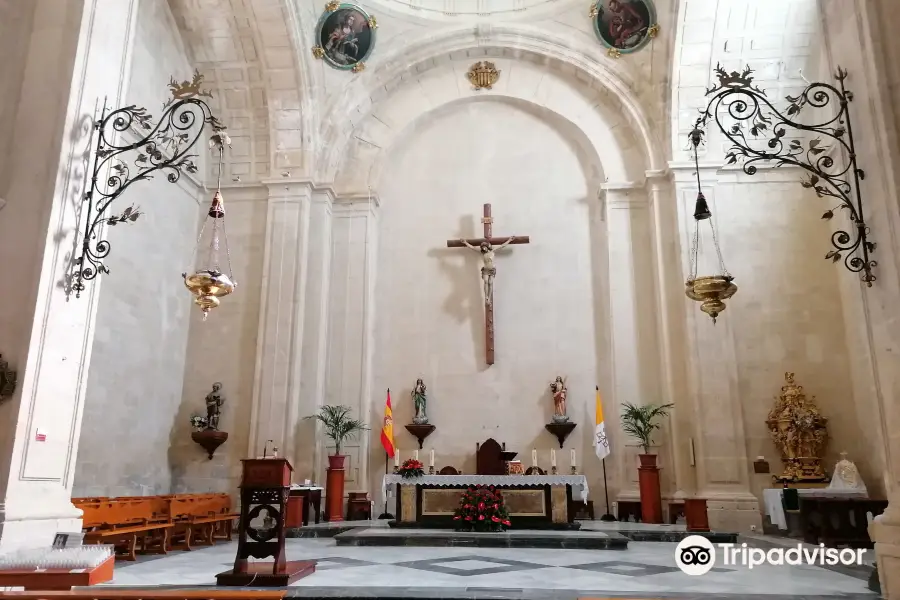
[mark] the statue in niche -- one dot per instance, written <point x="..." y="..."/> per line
<point x="559" y="391"/>
<point x="420" y="402"/>
<point x="214" y="401"/>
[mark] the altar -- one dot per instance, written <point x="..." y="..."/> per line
<point x="533" y="501"/>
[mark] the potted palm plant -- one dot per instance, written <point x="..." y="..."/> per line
<point x="339" y="426"/>
<point x="640" y="422"/>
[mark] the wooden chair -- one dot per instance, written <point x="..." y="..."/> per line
<point x="535" y="471"/>
<point x="488" y="460"/>
<point x="448" y="470"/>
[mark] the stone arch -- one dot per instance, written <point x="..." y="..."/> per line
<point x="607" y="101"/>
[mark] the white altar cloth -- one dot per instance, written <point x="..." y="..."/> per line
<point x="772" y="499"/>
<point x="508" y="481"/>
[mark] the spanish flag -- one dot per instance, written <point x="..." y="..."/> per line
<point x="387" y="427"/>
<point x="601" y="443"/>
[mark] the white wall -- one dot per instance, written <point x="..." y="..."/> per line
<point x="135" y="381"/>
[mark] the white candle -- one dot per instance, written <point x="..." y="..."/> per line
<point x="416" y="455"/>
<point x="431" y="464"/>
<point x="552" y="457"/>
<point x="397" y="458"/>
<point x="573" y="457"/>
<point x="534" y="457"/>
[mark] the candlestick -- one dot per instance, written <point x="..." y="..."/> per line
<point x="416" y="456"/>
<point x="552" y="457"/>
<point x="396" y="459"/>
<point x="573" y="457"/>
<point x="534" y="457"/>
<point x="431" y="462"/>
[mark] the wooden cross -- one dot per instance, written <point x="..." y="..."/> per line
<point x="489" y="300"/>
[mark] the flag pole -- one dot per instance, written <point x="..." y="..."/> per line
<point x="608" y="516"/>
<point x="386" y="514"/>
<point x="387" y="456"/>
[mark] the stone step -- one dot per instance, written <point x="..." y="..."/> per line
<point x="525" y="538"/>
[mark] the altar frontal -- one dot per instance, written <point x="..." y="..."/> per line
<point x="535" y="501"/>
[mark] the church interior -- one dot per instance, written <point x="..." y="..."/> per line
<point x="450" y="298"/>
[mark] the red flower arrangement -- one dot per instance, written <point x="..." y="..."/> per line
<point x="411" y="468"/>
<point x="481" y="508"/>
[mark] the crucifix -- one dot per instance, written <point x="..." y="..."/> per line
<point x="486" y="246"/>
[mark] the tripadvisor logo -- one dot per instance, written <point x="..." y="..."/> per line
<point x="696" y="555"/>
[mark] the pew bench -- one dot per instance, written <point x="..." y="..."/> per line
<point x="838" y="522"/>
<point x="149" y="524"/>
<point x="123" y="524"/>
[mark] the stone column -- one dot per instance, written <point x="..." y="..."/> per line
<point x="350" y="328"/>
<point x="308" y="453"/>
<point x="77" y="55"/>
<point x="719" y="441"/>
<point x="274" y="413"/>
<point x="634" y="351"/>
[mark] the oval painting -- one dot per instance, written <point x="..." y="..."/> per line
<point x="625" y="25"/>
<point x="345" y="36"/>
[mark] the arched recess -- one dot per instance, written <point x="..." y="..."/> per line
<point x="576" y="83"/>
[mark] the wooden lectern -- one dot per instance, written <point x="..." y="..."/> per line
<point x="265" y="485"/>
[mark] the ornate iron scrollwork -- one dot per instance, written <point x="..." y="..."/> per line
<point x="164" y="147"/>
<point x="736" y="96"/>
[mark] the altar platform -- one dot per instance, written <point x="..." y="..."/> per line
<point x="442" y="538"/>
<point x="634" y="532"/>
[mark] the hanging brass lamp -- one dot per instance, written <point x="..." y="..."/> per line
<point x="710" y="291"/>
<point x="209" y="283"/>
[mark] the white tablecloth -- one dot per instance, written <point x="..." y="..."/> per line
<point x="504" y="481"/>
<point x="772" y="498"/>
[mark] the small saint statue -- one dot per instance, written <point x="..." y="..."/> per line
<point x="558" y="388"/>
<point x="214" y="401"/>
<point x="420" y="401"/>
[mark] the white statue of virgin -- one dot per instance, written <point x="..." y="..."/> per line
<point x="846" y="477"/>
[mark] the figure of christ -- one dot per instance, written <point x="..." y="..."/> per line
<point x="488" y="270"/>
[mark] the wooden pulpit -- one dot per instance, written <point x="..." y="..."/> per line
<point x="265" y="485"/>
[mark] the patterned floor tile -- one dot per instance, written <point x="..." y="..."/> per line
<point x="467" y="566"/>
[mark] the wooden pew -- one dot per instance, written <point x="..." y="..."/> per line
<point x="123" y="522"/>
<point x="201" y="519"/>
<point x="838" y="522"/>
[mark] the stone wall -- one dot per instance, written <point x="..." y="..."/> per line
<point x="135" y="382"/>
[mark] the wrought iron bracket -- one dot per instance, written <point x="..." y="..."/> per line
<point x="164" y="147"/>
<point x="759" y="133"/>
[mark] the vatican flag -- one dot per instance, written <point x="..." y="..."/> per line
<point x="601" y="444"/>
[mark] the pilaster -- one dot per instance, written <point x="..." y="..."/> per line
<point x="308" y="453"/>
<point x="633" y="336"/>
<point x="351" y="300"/>
<point x="670" y="310"/>
<point x="79" y="54"/>
<point x="719" y="441"/>
<point x="274" y="413"/>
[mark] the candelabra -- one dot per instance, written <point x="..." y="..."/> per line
<point x="761" y="134"/>
<point x="165" y="147"/>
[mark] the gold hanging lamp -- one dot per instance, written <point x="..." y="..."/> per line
<point x="710" y="291"/>
<point x="210" y="283"/>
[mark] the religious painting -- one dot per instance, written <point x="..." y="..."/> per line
<point x="624" y="26"/>
<point x="345" y="36"/>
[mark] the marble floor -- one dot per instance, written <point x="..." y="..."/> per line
<point x="644" y="570"/>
